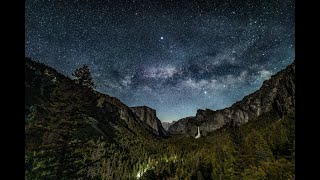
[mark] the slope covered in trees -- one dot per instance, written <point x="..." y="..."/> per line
<point x="74" y="132"/>
<point x="261" y="149"/>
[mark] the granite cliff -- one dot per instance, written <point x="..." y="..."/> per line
<point x="148" y="116"/>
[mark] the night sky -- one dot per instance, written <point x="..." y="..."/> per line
<point x="173" y="56"/>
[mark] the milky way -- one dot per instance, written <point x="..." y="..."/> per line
<point x="173" y="56"/>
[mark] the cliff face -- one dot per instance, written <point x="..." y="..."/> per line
<point x="183" y="126"/>
<point x="276" y="94"/>
<point x="148" y="116"/>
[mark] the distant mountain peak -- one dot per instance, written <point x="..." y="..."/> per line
<point x="149" y="116"/>
<point x="166" y="125"/>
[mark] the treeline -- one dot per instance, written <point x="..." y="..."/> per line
<point x="263" y="149"/>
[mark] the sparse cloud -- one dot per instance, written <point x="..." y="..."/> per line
<point x="146" y="88"/>
<point x="265" y="74"/>
<point x="218" y="83"/>
<point x="160" y="72"/>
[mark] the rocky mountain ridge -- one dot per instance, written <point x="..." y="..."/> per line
<point x="276" y="94"/>
<point x="107" y="114"/>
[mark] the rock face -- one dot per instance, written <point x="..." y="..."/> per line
<point x="276" y="94"/>
<point x="183" y="126"/>
<point x="166" y="125"/>
<point x="148" y="115"/>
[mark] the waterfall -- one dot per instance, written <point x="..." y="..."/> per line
<point x="198" y="135"/>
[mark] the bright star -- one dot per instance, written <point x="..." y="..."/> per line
<point x="161" y="37"/>
<point x="205" y="92"/>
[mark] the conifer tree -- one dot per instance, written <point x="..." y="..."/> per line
<point x="83" y="76"/>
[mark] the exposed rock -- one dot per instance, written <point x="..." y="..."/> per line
<point x="183" y="126"/>
<point x="148" y="115"/>
<point x="277" y="94"/>
<point x="166" y="125"/>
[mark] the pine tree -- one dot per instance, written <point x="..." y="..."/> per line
<point x="83" y="76"/>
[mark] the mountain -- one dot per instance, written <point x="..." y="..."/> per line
<point x="276" y="94"/>
<point x="166" y="125"/>
<point x="70" y="127"/>
<point x="44" y="86"/>
<point x="148" y="116"/>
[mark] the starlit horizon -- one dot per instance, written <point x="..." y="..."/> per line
<point x="173" y="56"/>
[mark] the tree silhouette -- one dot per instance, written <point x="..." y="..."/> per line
<point x="83" y="76"/>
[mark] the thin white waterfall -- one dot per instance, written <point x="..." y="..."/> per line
<point x="198" y="135"/>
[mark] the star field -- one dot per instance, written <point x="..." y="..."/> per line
<point x="173" y="56"/>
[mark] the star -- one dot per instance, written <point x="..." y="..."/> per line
<point x="146" y="53"/>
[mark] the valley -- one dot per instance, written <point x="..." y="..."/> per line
<point x="75" y="132"/>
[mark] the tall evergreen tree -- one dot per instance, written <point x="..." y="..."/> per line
<point x="83" y="76"/>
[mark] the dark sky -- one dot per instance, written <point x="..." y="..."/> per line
<point x="173" y="56"/>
